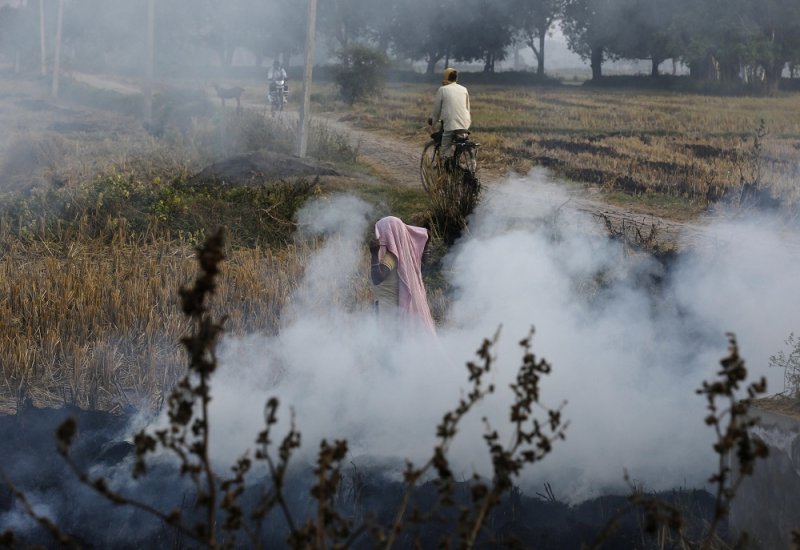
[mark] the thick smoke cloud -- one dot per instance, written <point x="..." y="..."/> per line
<point x="629" y="344"/>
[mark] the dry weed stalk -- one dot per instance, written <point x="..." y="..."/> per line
<point x="187" y="437"/>
<point x="737" y="451"/>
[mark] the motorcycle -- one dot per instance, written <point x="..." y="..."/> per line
<point x="278" y="95"/>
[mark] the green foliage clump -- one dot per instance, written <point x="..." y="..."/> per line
<point x="327" y="144"/>
<point x="258" y="214"/>
<point x="360" y="73"/>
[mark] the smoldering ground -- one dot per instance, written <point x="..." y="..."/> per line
<point x="629" y="343"/>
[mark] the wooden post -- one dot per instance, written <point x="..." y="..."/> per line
<point x="42" y="48"/>
<point x="305" y="107"/>
<point x="149" y="71"/>
<point x="57" y="56"/>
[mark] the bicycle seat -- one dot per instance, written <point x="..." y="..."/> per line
<point x="437" y="136"/>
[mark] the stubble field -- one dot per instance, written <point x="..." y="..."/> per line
<point x="669" y="153"/>
<point x="99" y="219"/>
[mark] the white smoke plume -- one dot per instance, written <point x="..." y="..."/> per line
<point x="626" y="358"/>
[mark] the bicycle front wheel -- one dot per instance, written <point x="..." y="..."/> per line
<point x="430" y="166"/>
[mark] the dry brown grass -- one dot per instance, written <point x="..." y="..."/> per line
<point x="684" y="146"/>
<point x="98" y="325"/>
<point x="96" y="237"/>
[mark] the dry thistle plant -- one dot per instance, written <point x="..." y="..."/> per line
<point x="219" y="515"/>
<point x="453" y="198"/>
<point x="737" y="451"/>
<point x="790" y="363"/>
<point x="221" y="518"/>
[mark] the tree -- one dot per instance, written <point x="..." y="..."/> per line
<point x="592" y="28"/>
<point x="274" y="28"/>
<point x="359" y="73"/>
<point x="647" y="31"/>
<point x="347" y="21"/>
<point x="18" y="29"/>
<point x="533" y="20"/>
<point x="420" y="29"/>
<point x="483" y="31"/>
<point x="775" y="36"/>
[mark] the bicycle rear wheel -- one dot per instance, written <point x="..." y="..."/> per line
<point x="430" y="166"/>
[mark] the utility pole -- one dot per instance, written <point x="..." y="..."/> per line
<point x="305" y="108"/>
<point x="57" y="56"/>
<point x="41" y="38"/>
<point x="149" y="71"/>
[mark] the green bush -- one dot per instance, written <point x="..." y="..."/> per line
<point x="360" y="73"/>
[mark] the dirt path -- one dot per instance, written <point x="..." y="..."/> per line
<point x="397" y="163"/>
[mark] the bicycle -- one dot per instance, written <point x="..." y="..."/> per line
<point x="463" y="167"/>
<point x="452" y="184"/>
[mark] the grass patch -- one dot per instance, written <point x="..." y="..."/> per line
<point x="675" y="208"/>
<point x="98" y="232"/>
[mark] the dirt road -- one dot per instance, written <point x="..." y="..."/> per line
<point x="397" y="162"/>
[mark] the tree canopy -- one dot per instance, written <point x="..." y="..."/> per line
<point x="746" y="41"/>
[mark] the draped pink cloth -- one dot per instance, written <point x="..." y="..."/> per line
<point x="407" y="243"/>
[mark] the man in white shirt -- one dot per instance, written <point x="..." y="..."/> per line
<point x="451" y="107"/>
<point x="275" y="74"/>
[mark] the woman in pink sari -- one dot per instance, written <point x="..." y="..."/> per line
<point x="396" y="270"/>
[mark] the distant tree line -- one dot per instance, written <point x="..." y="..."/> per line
<point x="741" y="41"/>
<point x="749" y="41"/>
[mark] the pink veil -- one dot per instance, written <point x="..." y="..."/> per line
<point x="407" y="243"/>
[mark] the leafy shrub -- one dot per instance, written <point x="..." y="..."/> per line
<point x="257" y="214"/>
<point x="360" y="73"/>
<point x="326" y="143"/>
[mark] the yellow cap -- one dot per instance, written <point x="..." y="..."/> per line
<point x="450" y="75"/>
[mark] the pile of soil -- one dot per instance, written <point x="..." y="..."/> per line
<point x="259" y="168"/>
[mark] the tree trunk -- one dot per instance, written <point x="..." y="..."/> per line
<point x="704" y="68"/>
<point x="729" y="71"/>
<point x="57" y="55"/>
<point x="42" y="48"/>
<point x="488" y="65"/>
<point x="149" y="62"/>
<point x="383" y="44"/>
<point x="430" y="68"/>
<point x="597" y="62"/>
<point x="540" y="56"/>
<point x="772" y="76"/>
<point x="654" y="67"/>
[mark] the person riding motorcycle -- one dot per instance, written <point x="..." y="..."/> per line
<point x="451" y="107"/>
<point x="277" y="74"/>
